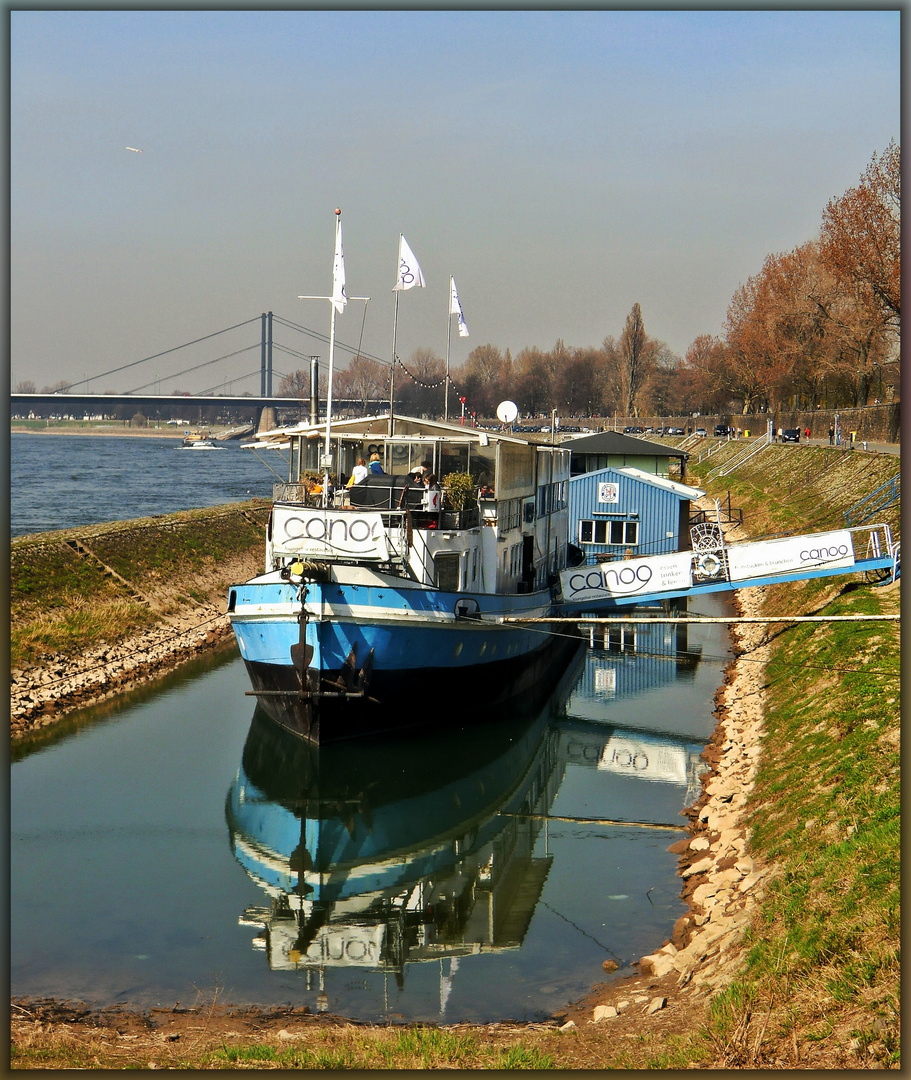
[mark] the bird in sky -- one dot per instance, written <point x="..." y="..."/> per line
<point x="135" y="149"/>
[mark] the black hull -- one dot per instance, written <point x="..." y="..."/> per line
<point x="420" y="698"/>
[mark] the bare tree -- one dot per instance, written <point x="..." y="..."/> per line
<point x="635" y="363"/>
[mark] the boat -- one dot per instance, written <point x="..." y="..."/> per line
<point x="381" y="604"/>
<point x="199" y="442"/>
<point x="379" y="610"/>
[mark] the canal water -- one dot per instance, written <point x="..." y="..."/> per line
<point x="174" y="845"/>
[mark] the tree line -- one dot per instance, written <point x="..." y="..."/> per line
<point x="818" y="326"/>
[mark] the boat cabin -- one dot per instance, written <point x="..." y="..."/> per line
<point x="499" y="523"/>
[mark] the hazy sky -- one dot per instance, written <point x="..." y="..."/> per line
<point x="561" y="165"/>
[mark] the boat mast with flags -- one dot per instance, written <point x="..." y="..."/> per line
<point x="409" y="276"/>
<point x="338" y="300"/>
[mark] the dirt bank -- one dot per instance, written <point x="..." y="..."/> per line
<point x="154" y="595"/>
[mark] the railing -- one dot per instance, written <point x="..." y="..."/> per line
<point x="877" y="500"/>
<point x="742" y="459"/>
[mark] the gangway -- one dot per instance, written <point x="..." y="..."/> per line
<point x="716" y="566"/>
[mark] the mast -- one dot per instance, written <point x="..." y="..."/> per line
<point x="337" y="300"/>
<point x="448" y="340"/>
<point x="395" y="319"/>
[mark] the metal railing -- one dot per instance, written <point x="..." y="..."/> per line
<point x="751" y="451"/>
<point x="877" y="500"/>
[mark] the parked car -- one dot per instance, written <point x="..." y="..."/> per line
<point x="675" y="431"/>
<point x="632" y="431"/>
<point x="791" y="434"/>
<point x="701" y="431"/>
<point x="722" y="430"/>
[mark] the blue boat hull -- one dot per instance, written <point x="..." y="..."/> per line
<point x="384" y="658"/>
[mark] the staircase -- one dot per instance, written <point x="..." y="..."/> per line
<point x="870" y="505"/>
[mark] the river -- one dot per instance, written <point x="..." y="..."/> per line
<point x="172" y="846"/>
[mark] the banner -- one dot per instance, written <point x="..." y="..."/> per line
<point x="338" y="272"/>
<point x="790" y="554"/>
<point x="315" y="533"/>
<point x="628" y="577"/>
<point x="409" y="272"/>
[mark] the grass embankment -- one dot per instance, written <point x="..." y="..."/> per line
<point x="820" y="985"/>
<point x="73" y="590"/>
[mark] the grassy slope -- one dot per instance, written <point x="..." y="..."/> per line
<point x="62" y="601"/>
<point x="822" y="984"/>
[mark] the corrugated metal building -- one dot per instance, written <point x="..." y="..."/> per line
<point x="628" y="512"/>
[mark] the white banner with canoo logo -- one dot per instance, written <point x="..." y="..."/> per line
<point x="321" y="534"/>
<point x="790" y="554"/>
<point x="627" y="577"/>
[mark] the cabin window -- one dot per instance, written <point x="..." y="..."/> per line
<point x="611" y="531"/>
<point x="446" y="571"/>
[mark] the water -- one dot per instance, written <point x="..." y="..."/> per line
<point x="62" y="481"/>
<point x="169" y="845"/>
<point x="174" y="845"/>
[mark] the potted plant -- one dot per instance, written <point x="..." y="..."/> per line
<point x="460" y="498"/>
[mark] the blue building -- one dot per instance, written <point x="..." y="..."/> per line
<point x="625" y="512"/>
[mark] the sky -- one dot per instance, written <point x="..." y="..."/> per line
<point x="561" y="165"/>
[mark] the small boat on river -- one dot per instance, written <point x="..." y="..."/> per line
<point x="199" y="442"/>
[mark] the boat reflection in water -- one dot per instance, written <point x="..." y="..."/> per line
<point x="381" y="854"/>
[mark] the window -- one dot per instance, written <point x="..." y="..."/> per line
<point x="446" y="571"/>
<point x="610" y="531"/>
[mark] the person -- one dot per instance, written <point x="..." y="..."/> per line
<point x="780" y="435"/>
<point x="426" y="466"/>
<point x="433" y="497"/>
<point x="831" y="436"/>
<point x="485" y="492"/>
<point x="376" y="466"/>
<point x="806" y="433"/>
<point x="358" y="473"/>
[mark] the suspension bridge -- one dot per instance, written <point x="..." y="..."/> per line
<point x="147" y="397"/>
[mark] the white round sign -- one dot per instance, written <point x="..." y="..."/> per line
<point x="507" y="411"/>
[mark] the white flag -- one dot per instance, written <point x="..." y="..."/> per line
<point x="455" y="308"/>
<point x="339" y="297"/>
<point x="409" y="271"/>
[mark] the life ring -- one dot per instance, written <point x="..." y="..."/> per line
<point x="709" y="565"/>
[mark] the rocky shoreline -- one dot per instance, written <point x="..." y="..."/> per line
<point x="722" y="883"/>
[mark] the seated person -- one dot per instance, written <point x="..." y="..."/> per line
<point x="376" y="466"/>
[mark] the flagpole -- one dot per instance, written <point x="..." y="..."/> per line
<point x="337" y="301"/>
<point x="448" y="340"/>
<point x="395" y="319"/>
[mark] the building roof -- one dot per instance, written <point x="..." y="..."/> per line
<point x="614" y="442"/>
<point x="683" y="490"/>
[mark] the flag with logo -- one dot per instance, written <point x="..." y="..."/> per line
<point x="409" y="271"/>
<point x="455" y="308"/>
<point x="338" y="273"/>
